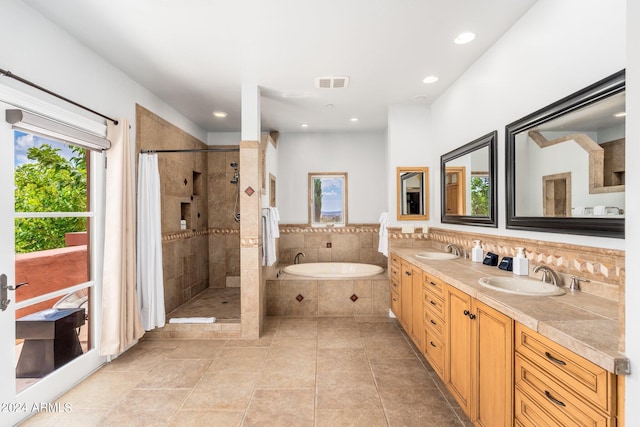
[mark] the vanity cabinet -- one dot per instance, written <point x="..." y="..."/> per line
<point x="479" y="359"/>
<point x="394" y="285"/>
<point x="554" y="386"/>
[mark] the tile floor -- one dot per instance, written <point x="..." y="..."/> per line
<point x="343" y="371"/>
<point x="221" y="303"/>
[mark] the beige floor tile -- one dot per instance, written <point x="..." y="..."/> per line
<point x="208" y="418"/>
<point x="348" y="398"/>
<point x="74" y="418"/>
<point x="243" y="380"/>
<point x="286" y="408"/>
<point x="353" y="417"/>
<point x="102" y="390"/>
<point x="344" y="379"/>
<point x="175" y="373"/>
<point x="145" y="408"/>
<point x="418" y="407"/>
<point x="239" y="359"/>
<point x="197" y="349"/>
<point x="218" y="398"/>
<point x="400" y="374"/>
<point x="293" y="374"/>
<point x="138" y="359"/>
<point x="298" y="328"/>
<point x="342" y="359"/>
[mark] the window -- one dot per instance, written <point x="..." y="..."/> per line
<point x="328" y="199"/>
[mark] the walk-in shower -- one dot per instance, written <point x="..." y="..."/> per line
<point x="236" y="180"/>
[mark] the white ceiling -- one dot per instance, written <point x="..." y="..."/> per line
<point x="196" y="54"/>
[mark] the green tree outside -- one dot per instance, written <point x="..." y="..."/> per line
<point x="49" y="183"/>
<point x="480" y="196"/>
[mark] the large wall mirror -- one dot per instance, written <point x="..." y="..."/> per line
<point x="413" y="200"/>
<point x="566" y="164"/>
<point x="468" y="183"/>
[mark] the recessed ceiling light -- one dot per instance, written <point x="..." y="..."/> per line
<point x="304" y="125"/>
<point x="353" y="119"/>
<point x="620" y="114"/>
<point x="464" y="38"/>
<point x="430" y="79"/>
<point x="220" y="114"/>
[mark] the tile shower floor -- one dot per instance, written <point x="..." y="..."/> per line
<point x="221" y="303"/>
<point x="343" y="371"/>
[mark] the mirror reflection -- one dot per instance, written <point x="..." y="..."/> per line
<point x="412" y="193"/>
<point x="468" y="183"/>
<point x="566" y="164"/>
<point x="573" y="166"/>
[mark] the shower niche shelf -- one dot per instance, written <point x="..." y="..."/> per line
<point x="185" y="213"/>
<point x="197" y="183"/>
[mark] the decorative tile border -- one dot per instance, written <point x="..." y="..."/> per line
<point x="351" y="228"/>
<point x="187" y="234"/>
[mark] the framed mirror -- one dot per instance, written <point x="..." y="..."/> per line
<point x="468" y="177"/>
<point x="565" y="166"/>
<point x="413" y="200"/>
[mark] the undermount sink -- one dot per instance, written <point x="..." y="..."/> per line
<point x="521" y="286"/>
<point x="436" y="255"/>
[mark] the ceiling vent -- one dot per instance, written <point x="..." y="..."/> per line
<point x="332" y="82"/>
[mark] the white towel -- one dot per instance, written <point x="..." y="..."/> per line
<point x="274" y="218"/>
<point x="599" y="210"/>
<point x="192" y="320"/>
<point x="268" y="240"/>
<point x="383" y="239"/>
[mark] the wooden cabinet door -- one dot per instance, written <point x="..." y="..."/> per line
<point x="406" y="296"/>
<point x="458" y="347"/>
<point x="492" y="369"/>
<point x="417" y="322"/>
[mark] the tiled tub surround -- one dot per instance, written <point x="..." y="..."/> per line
<point x="290" y="295"/>
<point x="583" y="323"/>
<point x="355" y="243"/>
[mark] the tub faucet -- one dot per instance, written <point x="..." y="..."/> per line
<point x="296" y="259"/>
<point x="454" y="249"/>
<point x="546" y="273"/>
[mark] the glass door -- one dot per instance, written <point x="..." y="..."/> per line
<point x="48" y="225"/>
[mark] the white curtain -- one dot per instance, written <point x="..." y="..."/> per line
<point x="150" y="279"/>
<point x="121" y="324"/>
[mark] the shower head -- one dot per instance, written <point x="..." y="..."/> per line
<point x="235" y="179"/>
<point x="234" y="165"/>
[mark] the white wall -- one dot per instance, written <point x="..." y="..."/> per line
<point x="408" y="135"/>
<point x="361" y="154"/>
<point x="36" y="50"/>
<point x="632" y="228"/>
<point x="551" y="52"/>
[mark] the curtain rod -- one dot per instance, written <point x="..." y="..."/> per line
<point x="28" y="83"/>
<point x="193" y="150"/>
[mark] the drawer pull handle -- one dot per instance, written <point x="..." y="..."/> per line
<point x="466" y="312"/>
<point x="551" y="398"/>
<point x="408" y="273"/>
<point x="432" y="322"/>
<point x="433" y="284"/>
<point x="395" y="300"/>
<point x="432" y="344"/>
<point x="432" y="303"/>
<point x="472" y="316"/>
<point x="553" y="359"/>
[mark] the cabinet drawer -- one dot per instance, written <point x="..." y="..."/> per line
<point x="435" y="285"/>
<point x="588" y="380"/>
<point x="395" y="305"/>
<point x="395" y="286"/>
<point x="394" y="272"/>
<point x="434" y="322"/>
<point x="433" y="304"/>
<point x="434" y="351"/>
<point x="552" y="399"/>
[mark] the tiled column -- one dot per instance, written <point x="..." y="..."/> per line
<point x="253" y="308"/>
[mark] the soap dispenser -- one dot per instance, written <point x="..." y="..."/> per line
<point x="520" y="263"/>
<point x="477" y="254"/>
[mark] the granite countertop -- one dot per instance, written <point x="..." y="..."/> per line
<point x="583" y="323"/>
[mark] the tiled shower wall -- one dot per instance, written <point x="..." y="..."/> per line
<point x="195" y="187"/>
<point x="224" y="231"/>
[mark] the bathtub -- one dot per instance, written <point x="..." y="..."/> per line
<point x="333" y="269"/>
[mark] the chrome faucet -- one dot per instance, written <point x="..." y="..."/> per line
<point x="548" y="272"/>
<point x="454" y="249"/>
<point x="296" y="259"/>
